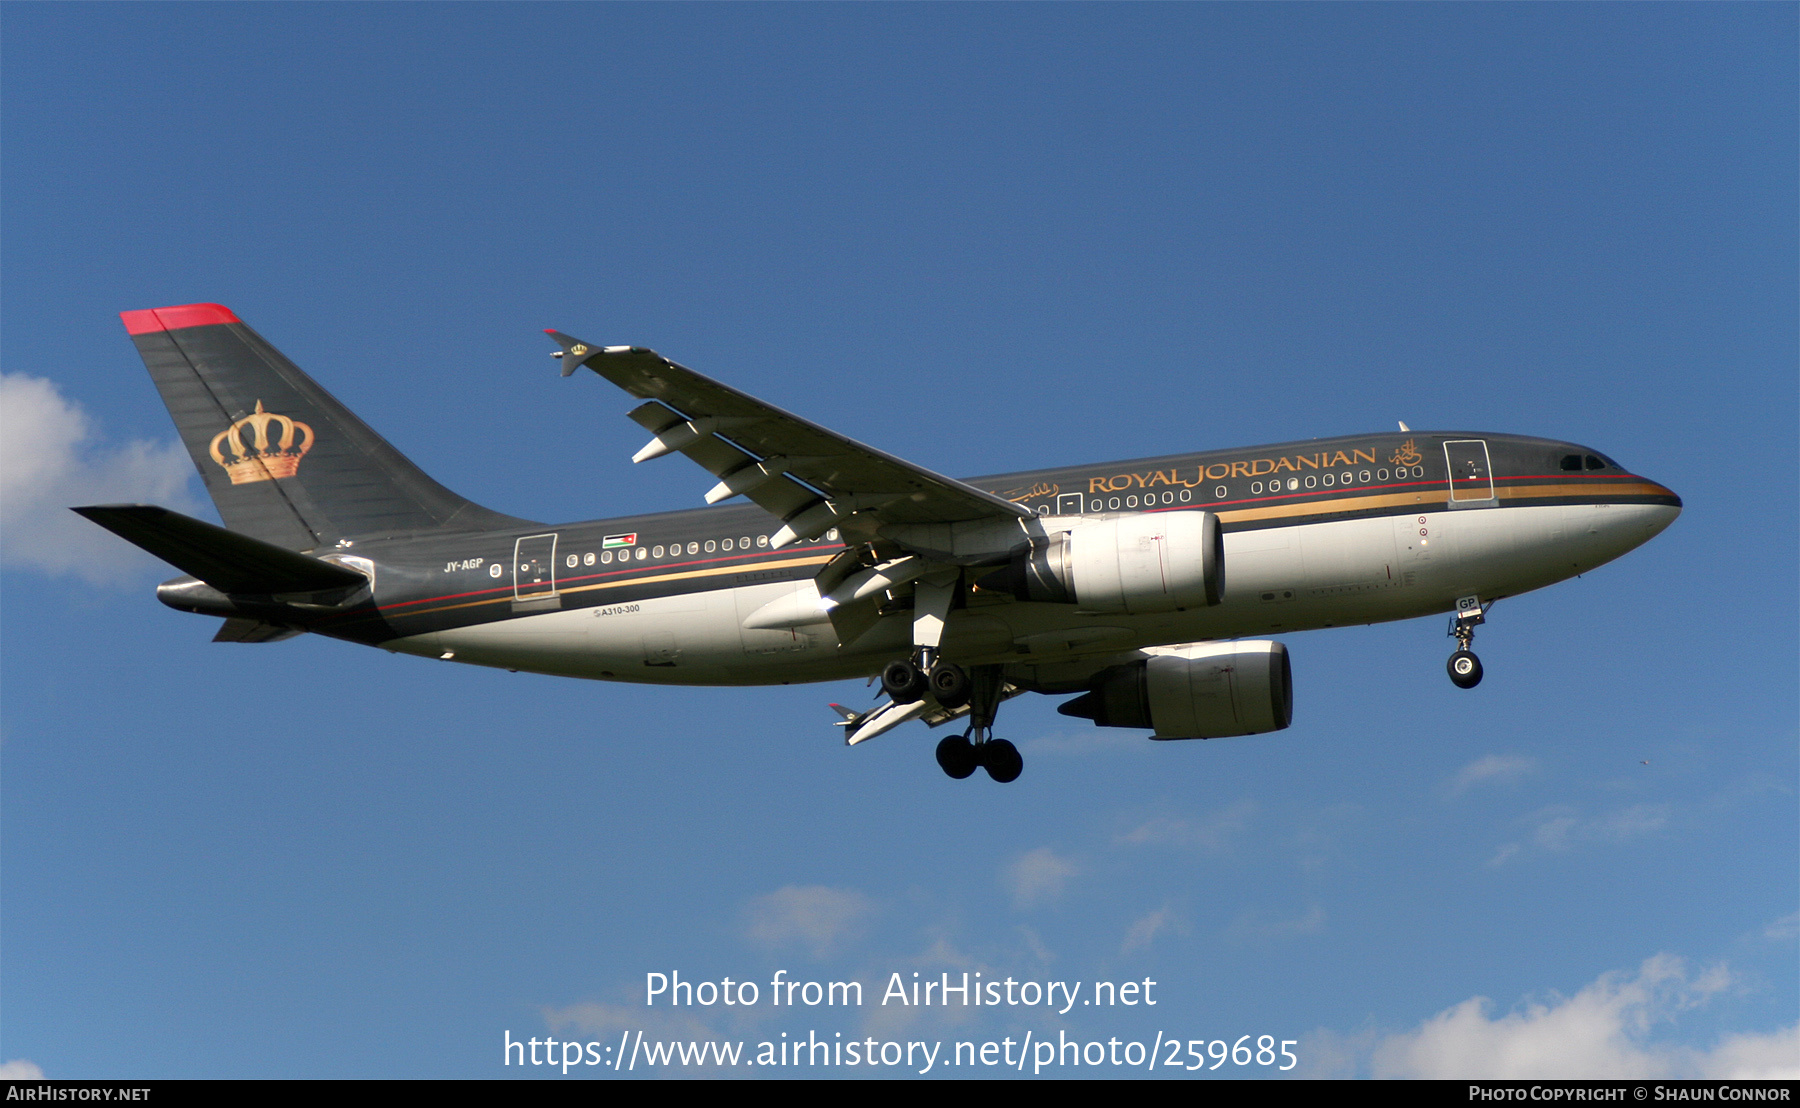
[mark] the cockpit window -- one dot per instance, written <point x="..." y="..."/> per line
<point x="1594" y="462"/>
<point x="1571" y="461"/>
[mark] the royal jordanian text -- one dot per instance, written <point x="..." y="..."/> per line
<point x="1253" y="467"/>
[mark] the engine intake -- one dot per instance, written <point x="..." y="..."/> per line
<point x="1210" y="691"/>
<point x="1156" y="562"/>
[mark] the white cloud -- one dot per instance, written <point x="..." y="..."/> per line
<point x="1254" y="924"/>
<point x="49" y="463"/>
<point x="1212" y="833"/>
<point x="1603" y="1031"/>
<point x="1038" y="876"/>
<point x="1784" y="930"/>
<point x="593" y="1018"/>
<point x="1144" y="932"/>
<point x="1506" y="853"/>
<point x="1631" y="823"/>
<point x="1751" y="1057"/>
<point x="1035" y="943"/>
<point x="20" y="1070"/>
<point x="1561" y="827"/>
<point x="608" y="1025"/>
<point x="1098" y="740"/>
<point x="1495" y="769"/>
<point x="818" y="918"/>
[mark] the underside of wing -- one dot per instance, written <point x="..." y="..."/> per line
<point x="810" y="478"/>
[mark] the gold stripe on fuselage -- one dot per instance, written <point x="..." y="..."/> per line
<point x="1435" y="500"/>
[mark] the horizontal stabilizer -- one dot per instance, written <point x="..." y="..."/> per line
<point x="226" y="560"/>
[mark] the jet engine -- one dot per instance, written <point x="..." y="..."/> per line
<point x="1209" y="691"/>
<point x="1155" y="562"/>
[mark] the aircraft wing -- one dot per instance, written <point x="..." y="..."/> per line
<point x="810" y="478"/>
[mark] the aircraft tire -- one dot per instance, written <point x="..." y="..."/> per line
<point x="950" y="685"/>
<point x="1002" y="761"/>
<point x="903" y="682"/>
<point x="1465" y="669"/>
<point x="956" y="756"/>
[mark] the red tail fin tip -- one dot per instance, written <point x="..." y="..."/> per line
<point x="174" y="319"/>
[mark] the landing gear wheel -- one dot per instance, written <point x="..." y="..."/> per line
<point x="956" y="756"/>
<point x="950" y="685"/>
<point x="1465" y="669"/>
<point x="902" y="682"/>
<point x="1002" y="761"/>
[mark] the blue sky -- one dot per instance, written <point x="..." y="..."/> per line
<point x="982" y="238"/>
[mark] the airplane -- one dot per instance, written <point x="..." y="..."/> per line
<point x="1134" y="587"/>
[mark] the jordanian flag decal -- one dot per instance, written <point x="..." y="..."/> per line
<point x="612" y="541"/>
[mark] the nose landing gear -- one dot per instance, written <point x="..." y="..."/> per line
<point x="1464" y="667"/>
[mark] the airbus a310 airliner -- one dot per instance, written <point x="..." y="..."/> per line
<point x="1127" y="585"/>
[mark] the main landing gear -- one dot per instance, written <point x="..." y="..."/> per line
<point x="959" y="756"/>
<point x="952" y="687"/>
<point x="1464" y="666"/>
<point x="980" y="688"/>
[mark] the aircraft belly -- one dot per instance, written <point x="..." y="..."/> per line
<point x="1598" y="533"/>
<point x="1513" y="550"/>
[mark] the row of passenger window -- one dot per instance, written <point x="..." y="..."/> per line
<point x="1329" y="480"/>
<point x="1115" y="503"/>
<point x="674" y="550"/>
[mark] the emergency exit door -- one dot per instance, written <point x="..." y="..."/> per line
<point x="534" y="573"/>
<point x="1471" y="479"/>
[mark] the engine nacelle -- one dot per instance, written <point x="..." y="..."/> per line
<point x="1209" y="691"/>
<point x="1155" y="562"/>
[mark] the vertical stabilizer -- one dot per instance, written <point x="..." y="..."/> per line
<point x="282" y="459"/>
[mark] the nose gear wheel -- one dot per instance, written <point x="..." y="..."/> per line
<point x="1464" y="667"/>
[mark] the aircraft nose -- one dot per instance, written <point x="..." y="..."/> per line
<point x="1668" y="501"/>
<point x="1656" y="517"/>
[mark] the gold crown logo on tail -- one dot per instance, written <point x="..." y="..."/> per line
<point x="256" y="459"/>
